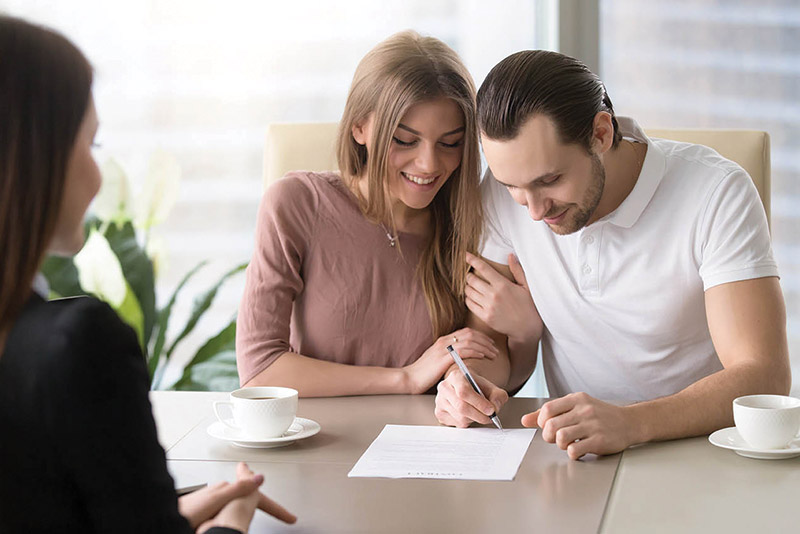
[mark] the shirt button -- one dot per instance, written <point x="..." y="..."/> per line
<point x="587" y="269"/>
<point x="589" y="239"/>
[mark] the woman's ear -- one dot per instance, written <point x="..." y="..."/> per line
<point x="362" y="130"/>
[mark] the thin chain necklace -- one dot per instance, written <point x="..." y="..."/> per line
<point x="392" y="238"/>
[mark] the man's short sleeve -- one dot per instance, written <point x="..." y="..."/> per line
<point x="734" y="236"/>
<point x="496" y="244"/>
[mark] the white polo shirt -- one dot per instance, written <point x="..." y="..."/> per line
<point x="622" y="299"/>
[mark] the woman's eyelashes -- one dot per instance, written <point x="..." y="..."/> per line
<point x="413" y="142"/>
<point x="454" y="144"/>
<point x="404" y="143"/>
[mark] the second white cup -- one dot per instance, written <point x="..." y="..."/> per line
<point x="259" y="412"/>
<point x="767" y="421"/>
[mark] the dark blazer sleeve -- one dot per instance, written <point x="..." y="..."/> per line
<point x="106" y="432"/>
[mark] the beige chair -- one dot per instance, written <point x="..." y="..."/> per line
<point x="299" y="146"/>
<point x="310" y="146"/>
<point x="748" y="148"/>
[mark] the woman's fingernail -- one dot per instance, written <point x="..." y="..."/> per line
<point x="258" y="479"/>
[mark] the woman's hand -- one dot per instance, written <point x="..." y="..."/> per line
<point x="457" y="404"/>
<point x="505" y="305"/>
<point x="230" y="505"/>
<point x="421" y="375"/>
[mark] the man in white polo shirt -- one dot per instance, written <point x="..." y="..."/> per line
<point x="648" y="262"/>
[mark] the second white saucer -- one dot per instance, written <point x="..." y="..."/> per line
<point x="729" y="438"/>
<point x="301" y="428"/>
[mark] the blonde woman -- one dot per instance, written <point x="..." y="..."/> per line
<point x="357" y="281"/>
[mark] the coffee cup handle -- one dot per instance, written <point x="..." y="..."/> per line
<point x="218" y="406"/>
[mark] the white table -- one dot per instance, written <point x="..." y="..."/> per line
<point x="679" y="486"/>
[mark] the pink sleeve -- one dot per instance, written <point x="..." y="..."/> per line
<point x="286" y="218"/>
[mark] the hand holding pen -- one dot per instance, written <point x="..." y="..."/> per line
<point x="459" y="403"/>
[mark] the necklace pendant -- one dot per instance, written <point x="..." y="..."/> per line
<point x="392" y="238"/>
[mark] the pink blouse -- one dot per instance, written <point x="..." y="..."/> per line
<point x="324" y="282"/>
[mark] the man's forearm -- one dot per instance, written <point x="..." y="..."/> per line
<point x="705" y="406"/>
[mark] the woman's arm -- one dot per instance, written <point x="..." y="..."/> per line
<point x="501" y="306"/>
<point x="318" y="378"/>
<point x="275" y="278"/>
<point x="106" y="436"/>
<point x="105" y="432"/>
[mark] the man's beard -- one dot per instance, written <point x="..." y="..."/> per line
<point x="584" y="210"/>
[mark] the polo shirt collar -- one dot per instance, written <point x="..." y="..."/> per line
<point x="650" y="176"/>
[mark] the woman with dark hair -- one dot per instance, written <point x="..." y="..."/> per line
<point x="78" y="446"/>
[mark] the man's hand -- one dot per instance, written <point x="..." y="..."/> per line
<point x="505" y="305"/>
<point x="580" y="424"/>
<point x="457" y="404"/>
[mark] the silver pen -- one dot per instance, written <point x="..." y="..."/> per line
<point x="460" y="364"/>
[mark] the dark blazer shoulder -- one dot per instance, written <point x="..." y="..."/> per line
<point x="56" y="335"/>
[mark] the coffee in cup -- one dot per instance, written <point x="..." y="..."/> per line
<point x="259" y="412"/>
<point x="767" y="421"/>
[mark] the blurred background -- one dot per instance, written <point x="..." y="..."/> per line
<point x="201" y="79"/>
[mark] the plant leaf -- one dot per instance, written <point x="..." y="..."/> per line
<point x="62" y="276"/>
<point x="131" y="312"/>
<point x="213" y="368"/>
<point x="201" y="303"/>
<point x="163" y="322"/>
<point x="138" y="272"/>
<point x="61" y="273"/>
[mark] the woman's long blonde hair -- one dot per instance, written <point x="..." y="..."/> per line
<point x="402" y="71"/>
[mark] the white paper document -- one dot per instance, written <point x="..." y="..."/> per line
<point x="402" y="451"/>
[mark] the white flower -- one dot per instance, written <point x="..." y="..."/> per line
<point x="157" y="252"/>
<point x="160" y="191"/>
<point x="99" y="270"/>
<point x="111" y="203"/>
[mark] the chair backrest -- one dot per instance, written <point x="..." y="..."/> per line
<point x="299" y="146"/>
<point x="748" y="148"/>
<point x="311" y="147"/>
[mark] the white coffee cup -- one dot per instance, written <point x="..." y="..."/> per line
<point x="259" y="412"/>
<point x="767" y="421"/>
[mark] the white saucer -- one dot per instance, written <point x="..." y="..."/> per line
<point x="301" y="428"/>
<point x="729" y="438"/>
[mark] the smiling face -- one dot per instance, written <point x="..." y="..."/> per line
<point x="426" y="149"/>
<point x="560" y="184"/>
<point x="81" y="184"/>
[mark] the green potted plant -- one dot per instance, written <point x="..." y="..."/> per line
<point x="119" y="264"/>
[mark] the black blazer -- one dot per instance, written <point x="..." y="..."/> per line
<point x="78" y="445"/>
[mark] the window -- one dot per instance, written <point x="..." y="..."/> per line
<point x="202" y="79"/>
<point x="718" y="64"/>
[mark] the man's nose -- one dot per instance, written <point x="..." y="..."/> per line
<point x="537" y="205"/>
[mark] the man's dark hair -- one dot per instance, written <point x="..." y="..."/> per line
<point x="548" y="83"/>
